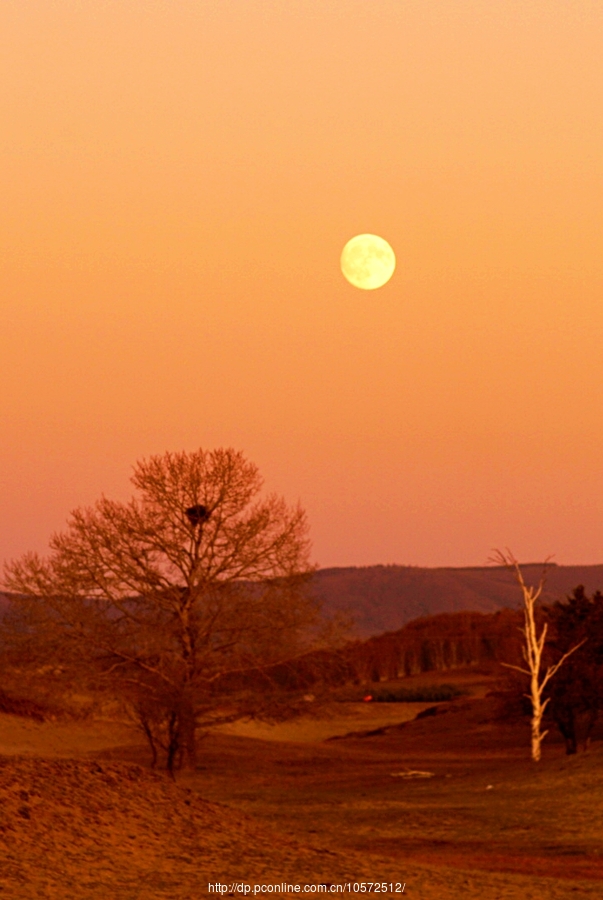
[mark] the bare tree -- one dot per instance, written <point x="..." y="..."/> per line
<point x="172" y="599"/>
<point x="533" y="647"/>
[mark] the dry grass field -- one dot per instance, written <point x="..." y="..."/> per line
<point x="83" y="817"/>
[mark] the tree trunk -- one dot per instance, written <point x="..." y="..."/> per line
<point x="591" y="722"/>
<point x="188" y="738"/>
<point x="173" y="743"/>
<point x="144" y="722"/>
<point x="537" y="737"/>
<point x="568" y="730"/>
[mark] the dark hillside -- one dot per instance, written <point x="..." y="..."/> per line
<point x="384" y="598"/>
<point x="441" y="643"/>
<point x="438" y="643"/>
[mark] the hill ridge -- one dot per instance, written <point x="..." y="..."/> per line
<point x="384" y="598"/>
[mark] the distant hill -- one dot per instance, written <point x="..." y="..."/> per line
<point x="385" y="598"/>
<point x="4" y="603"/>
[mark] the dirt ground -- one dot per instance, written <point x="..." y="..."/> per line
<point x="448" y="806"/>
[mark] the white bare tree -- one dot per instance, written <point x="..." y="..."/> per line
<point x="533" y="647"/>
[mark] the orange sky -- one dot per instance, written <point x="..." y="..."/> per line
<point x="178" y="178"/>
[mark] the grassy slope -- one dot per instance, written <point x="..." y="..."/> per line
<point x="536" y="832"/>
<point x="267" y="810"/>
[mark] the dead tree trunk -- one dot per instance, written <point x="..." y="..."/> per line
<point x="532" y="649"/>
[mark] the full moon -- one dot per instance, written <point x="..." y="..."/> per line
<point x="368" y="261"/>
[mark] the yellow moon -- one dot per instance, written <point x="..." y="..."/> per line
<point x="368" y="261"/>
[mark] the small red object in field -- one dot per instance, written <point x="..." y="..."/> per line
<point x="368" y="698"/>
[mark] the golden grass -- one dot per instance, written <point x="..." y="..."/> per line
<point x="489" y="824"/>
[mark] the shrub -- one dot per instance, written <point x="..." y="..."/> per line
<point x="436" y="694"/>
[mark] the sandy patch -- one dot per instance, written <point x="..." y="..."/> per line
<point x="347" y="717"/>
<point x="23" y="737"/>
